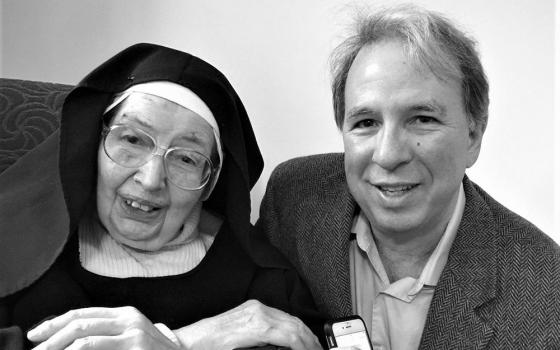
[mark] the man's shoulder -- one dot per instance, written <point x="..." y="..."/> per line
<point x="516" y="263"/>
<point x="514" y="228"/>
<point x="312" y="163"/>
<point x="309" y="180"/>
<point x="310" y="168"/>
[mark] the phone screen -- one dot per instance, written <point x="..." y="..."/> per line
<point x="346" y="332"/>
<point x="357" y="339"/>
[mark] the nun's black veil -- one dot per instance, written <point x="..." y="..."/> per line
<point x="35" y="247"/>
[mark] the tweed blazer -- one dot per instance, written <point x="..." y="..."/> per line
<point x="500" y="288"/>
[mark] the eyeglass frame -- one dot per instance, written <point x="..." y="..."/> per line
<point x="107" y="129"/>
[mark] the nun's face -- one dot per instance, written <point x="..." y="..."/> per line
<point x="139" y="206"/>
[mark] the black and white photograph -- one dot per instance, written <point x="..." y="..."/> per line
<point x="259" y="174"/>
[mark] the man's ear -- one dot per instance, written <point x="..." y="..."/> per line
<point x="476" y="131"/>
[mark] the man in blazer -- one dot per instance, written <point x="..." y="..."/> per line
<point x="393" y="230"/>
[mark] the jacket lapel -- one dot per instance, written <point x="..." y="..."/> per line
<point x="459" y="313"/>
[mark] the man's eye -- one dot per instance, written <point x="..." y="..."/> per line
<point x="424" y="119"/>
<point x="365" y="123"/>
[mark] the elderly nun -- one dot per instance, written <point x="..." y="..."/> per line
<point x="129" y="227"/>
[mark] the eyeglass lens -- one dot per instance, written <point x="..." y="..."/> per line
<point x="131" y="147"/>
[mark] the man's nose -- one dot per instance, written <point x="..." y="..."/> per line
<point x="152" y="174"/>
<point x="391" y="148"/>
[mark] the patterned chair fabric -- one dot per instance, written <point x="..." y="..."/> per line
<point x="29" y="113"/>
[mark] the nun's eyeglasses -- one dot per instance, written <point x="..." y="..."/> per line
<point x="132" y="148"/>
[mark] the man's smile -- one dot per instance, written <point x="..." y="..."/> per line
<point x="395" y="188"/>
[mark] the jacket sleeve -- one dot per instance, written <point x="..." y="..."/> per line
<point x="272" y="210"/>
<point x="284" y="289"/>
<point x="300" y="302"/>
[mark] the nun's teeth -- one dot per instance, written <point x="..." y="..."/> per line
<point x="145" y="208"/>
<point x="137" y="205"/>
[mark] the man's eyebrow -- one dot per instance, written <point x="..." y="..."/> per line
<point x="361" y="111"/>
<point x="429" y="106"/>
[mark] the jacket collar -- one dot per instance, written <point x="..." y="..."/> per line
<point x="467" y="283"/>
<point x="457" y="314"/>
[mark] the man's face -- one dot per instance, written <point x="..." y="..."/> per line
<point x="406" y="140"/>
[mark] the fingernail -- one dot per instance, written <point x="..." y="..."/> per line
<point x="33" y="333"/>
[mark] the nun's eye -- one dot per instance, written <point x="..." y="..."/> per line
<point x="131" y="139"/>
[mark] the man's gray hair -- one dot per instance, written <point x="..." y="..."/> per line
<point x="431" y="40"/>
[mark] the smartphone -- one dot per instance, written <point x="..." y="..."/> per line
<point x="347" y="331"/>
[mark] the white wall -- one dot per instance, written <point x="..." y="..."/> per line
<point x="1" y="36"/>
<point x="557" y="122"/>
<point x="275" y="54"/>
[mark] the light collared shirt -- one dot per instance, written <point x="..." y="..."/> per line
<point x="395" y="313"/>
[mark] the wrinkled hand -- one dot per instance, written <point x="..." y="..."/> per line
<point x="100" y="328"/>
<point x="250" y="324"/>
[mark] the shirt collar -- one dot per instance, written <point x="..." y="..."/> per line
<point x="431" y="272"/>
<point x="435" y="264"/>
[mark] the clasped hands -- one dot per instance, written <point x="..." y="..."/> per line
<point x="125" y="328"/>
